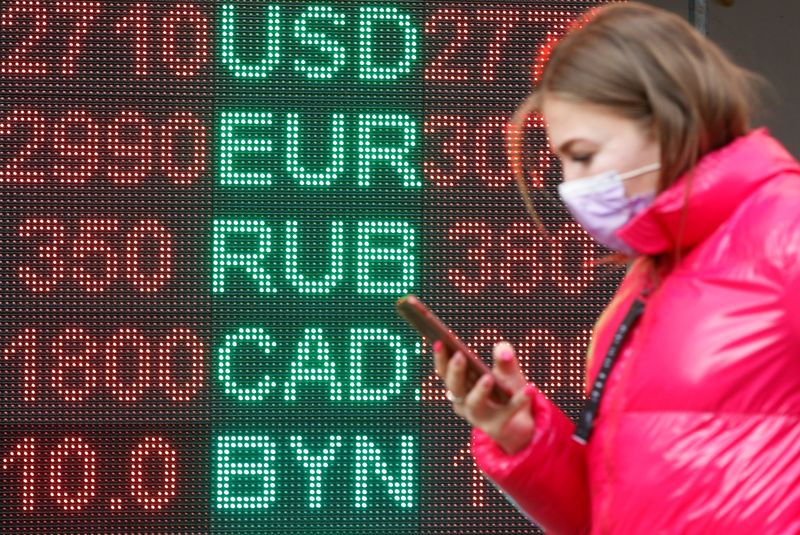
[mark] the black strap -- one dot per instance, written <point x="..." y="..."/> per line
<point x="586" y="421"/>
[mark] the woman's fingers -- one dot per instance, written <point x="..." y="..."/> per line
<point x="481" y="411"/>
<point x="519" y="400"/>
<point x="477" y="405"/>
<point x="440" y="357"/>
<point x="506" y="367"/>
<point x="456" y="376"/>
<point x="511" y="423"/>
<point x="481" y="408"/>
<point x="514" y="427"/>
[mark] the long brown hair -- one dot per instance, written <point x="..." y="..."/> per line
<point x="649" y="65"/>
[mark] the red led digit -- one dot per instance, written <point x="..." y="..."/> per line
<point x="83" y="13"/>
<point x="24" y="455"/>
<point x="483" y="340"/>
<point x="505" y="20"/>
<point x="556" y="23"/>
<point x="451" y="149"/>
<point x="437" y="69"/>
<point x="74" y="376"/>
<point x="183" y="123"/>
<point x="18" y="168"/>
<point x="127" y="343"/>
<point x="135" y="23"/>
<point x="572" y="235"/>
<point x="432" y="389"/>
<point x="525" y="349"/>
<point x="541" y="158"/>
<point x="153" y="232"/>
<point x="45" y="273"/>
<point x="565" y="361"/>
<point x="571" y="368"/>
<point x="24" y="348"/>
<point x="146" y="497"/>
<point x="131" y="161"/>
<point x="464" y="458"/>
<point x="522" y="267"/>
<point x="61" y="479"/>
<point x="191" y="344"/>
<point x="19" y="60"/>
<point x="541" y="346"/>
<point x="492" y="166"/>
<point x="95" y="260"/>
<point x="83" y="156"/>
<point x="481" y="272"/>
<point x="195" y="24"/>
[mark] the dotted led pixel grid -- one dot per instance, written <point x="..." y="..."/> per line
<point x="208" y="211"/>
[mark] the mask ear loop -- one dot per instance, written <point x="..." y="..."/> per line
<point x="640" y="171"/>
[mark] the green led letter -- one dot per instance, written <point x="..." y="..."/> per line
<point x="226" y="376"/>
<point x="370" y="463"/>
<point x="315" y="465"/>
<point x="336" y="273"/>
<point x="228" y="469"/>
<point x="369" y="70"/>
<point x="319" y="40"/>
<point x="369" y="255"/>
<point x="396" y="156"/>
<point x="230" y="57"/>
<point x="361" y="338"/>
<point x="302" y="370"/>
<point x="298" y="172"/>
<point x="251" y="262"/>
<point x="229" y="145"/>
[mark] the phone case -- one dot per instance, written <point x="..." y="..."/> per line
<point x="419" y="316"/>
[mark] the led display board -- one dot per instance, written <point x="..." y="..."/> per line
<point x="208" y="211"/>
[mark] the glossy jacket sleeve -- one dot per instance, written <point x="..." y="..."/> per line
<point x="792" y="297"/>
<point x="547" y="479"/>
<point x="785" y="248"/>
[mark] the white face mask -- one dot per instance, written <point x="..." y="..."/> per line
<point x="599" y="204"/>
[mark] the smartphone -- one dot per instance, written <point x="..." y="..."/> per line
<point x="431" y="327"/>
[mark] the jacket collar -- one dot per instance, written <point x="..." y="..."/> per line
<point x="722" y="180"/>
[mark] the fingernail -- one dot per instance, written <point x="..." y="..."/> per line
<point x="437" y="346"/>
<point x="530" y="390"/>
<point x="507" y="356"/>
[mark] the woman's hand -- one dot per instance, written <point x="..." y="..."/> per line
<point x="510" y="425"/>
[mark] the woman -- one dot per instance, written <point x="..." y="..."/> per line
<point x="697" y="428"/>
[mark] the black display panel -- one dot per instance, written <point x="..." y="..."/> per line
<point x="208" y="211"/>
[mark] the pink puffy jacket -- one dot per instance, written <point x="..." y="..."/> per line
<point x="699" y="428"/>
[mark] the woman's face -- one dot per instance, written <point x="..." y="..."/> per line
<point x="590" y="139"/>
